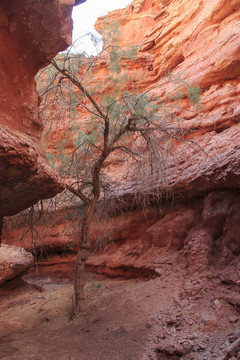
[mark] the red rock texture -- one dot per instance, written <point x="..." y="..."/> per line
<point x="202" y="233"/>
<point x="201" y="43"/>
<point x="13" y="262"/>
<point x="199" y="226"/>
<point x="25" y="175"/>
<point x="32" y="33"/>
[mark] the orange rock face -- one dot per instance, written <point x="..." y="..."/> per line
<point x="199" y="41"/>
<point x="200" y="235"/>
<point x="32" y="33"/>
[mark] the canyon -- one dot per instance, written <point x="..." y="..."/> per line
<point x="206" y="168"/>
<point x="181" y="250"/>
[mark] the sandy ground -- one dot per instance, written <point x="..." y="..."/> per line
<point x="122" y="320"/>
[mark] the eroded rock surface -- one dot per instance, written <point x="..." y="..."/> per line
<point x="31" y="34"/>
<point x="202" y="177"/>
<point x="13" y="261"/>
<point x="25" y="176"/>
<point x="200" y="43"/>
<point x="190" y="244"/>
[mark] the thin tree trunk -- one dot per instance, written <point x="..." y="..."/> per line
<point x="82" y="256"/>
<point x="84" y="248"/>
<point x="78" y="284"/>
<point x="1" y="227"/>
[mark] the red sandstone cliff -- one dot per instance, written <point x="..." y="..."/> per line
<point x="191" y="243"/>
<point x="31" y="34"/>
<point x="201" y="42"/>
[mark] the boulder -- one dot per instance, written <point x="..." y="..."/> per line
<point x="13" y="261"/>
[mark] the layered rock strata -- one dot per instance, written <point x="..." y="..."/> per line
<point x="13" y="262"/>
<point x="201" y="44"/>
<point x="199" y="226"/>
<point x="31" y="34"/>
<point x="199" y="235"/>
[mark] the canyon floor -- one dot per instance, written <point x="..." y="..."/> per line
<point x="134" y="319"/>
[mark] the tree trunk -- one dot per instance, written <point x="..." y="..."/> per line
<point x="82" y="256"/>
<point x="78" y="284"/>
<point x="1" y="227"/>
<point x="84" y="248"/>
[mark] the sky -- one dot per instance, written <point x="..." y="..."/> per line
<point x="84" y="17"/>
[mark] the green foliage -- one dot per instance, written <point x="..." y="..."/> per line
<point x="119" y="97"/>
<point x="110" y="33"/>
<point x="50" y="159"/>
<point x="193" y="93"/>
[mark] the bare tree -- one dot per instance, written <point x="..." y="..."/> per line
<point x="124" y="124"/>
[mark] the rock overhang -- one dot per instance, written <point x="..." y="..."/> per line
<point x="31" y="34"/>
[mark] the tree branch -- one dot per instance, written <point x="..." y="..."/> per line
<point x="78" y="193"/>
<point x="74" y="81"/>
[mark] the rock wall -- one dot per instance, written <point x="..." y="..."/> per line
<point x="199" y="226"/>
<point x="200" y="43"/>
<point x="31" y="34"/>
<point x="199" y="235"/>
